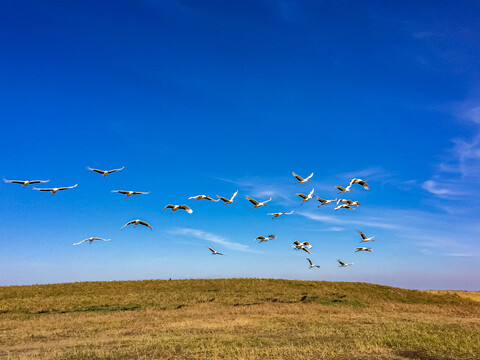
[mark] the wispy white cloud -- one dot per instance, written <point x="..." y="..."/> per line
<point x="330" y="219"/>
<point x="217" y="239"/>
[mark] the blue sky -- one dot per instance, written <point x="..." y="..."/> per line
<point x="214" y="96"/>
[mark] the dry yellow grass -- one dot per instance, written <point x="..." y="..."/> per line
<point x="235" y="319"/>
<point x="472" y="295"/>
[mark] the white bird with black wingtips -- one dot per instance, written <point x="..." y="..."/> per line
<point x="257" y="204"/>
<point x="305" y="198"/>
<point x="365" y="238"/>
<point x="302" y="180"/>
<point x="228" y="201"/>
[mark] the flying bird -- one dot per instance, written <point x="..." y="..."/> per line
<point x="257" y="204"/>
<point x="128" y="193"/>
<point x="342" y="189"/>
<point x="105" y="172"/>
<point x="344" y="206"/>
<point x="302" y="246"/>
<point x="359" y="182"/>
<point x="342" y="264"/>
<point x="364" y="237"/>
<point x="265" y="238"/>
<point x="202" y="197"/>
<point x="300" y="179"/>
<point x="348" y="202"/>
<point x="25" y="182"/>
<point x="325" y="202"/>
<point x="214" y="252"/>
<point x="228" y="201"/>
<point x="177" y="207"/>
<point x="54" y="190"/>
<point x="312" y="265"/>
<point x="278" y="214"/>
<point x="363" y="249"/>
<point x="137" y="222"/>
<point x="306" y="197"/>
<point x="91" y="239"/>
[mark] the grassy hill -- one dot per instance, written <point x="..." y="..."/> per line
<point x="235" y="319"/>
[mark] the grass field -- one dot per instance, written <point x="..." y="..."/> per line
<point x="235" y="319"/>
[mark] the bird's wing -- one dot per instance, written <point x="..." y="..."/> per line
<point x="113" y="170"/>
<point x="95" y="238"/>
<point x="303" y="196"/>
<point x="362" y="235"/>
<point x="306" y="250"/>
<point x="223" y="199"/>
<point x="271" y="237"/>
<point x="96" y="170"/>
<point x="321" y="200"/>
<point x="141" y="192"/>
<point x="219" y="253"/>
<point x="67" y="187"/>
<point x="311" y="193"/>
<point x="364" y="184"/>
<point x="267" y="200"/>
<point x="296" y="242"/>
<point x="80" y="242"/>
<point x="341" y="188"/>
<point x="291" y="212"/>
<point x="145" y="224"/>
<point x="120" y="191"/>
<point x="169" y="206"/>
<point x="307" y="178"/>
<point x="233" y="196"/>
<point x="307" y="244"/>
<point x="211" y="199"/>
<point x="310" y="261"/>
<point x="38" y="181"/>
<point x="213" y="251"/>
<point x="128" y="223"/>
<point x="273" y="213"/>
<point x="46" y="189"/>
<point x="186" y="208"/>
<point x="253" y="201"/>
<point x="260" y="237"/>
<point x="193" y="197"/>
<point x="298" y="177"/>
<point x="341" y="262"/>
<point x="13" y="181"/>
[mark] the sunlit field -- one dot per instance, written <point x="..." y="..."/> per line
<point x="235" y="319"/>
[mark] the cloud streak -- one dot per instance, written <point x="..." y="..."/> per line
<point x="217" y="239"/>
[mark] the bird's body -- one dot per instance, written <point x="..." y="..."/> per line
<point x="365" y="238"/>
<point x="341" y="189"/>
<point x="324" y="202"/>
<point x="25" y="183"/>
<point x="257" y="204"/>
<point x="312" y="265"/>
<point x="344" y="206"/>
<point x="91" y="239"/>
<point x="129" y="193"/>
<point x="342" y="264"/>
<point x="214" y="252"/>
<point x="302" y="180"/>
<point x="363" y="249"/>
<point x="228" y="201"/>
<point x="265" y="238"/>
<point x="305" y="198"/>
<point x="137" y="222"/>
<point x="302" y="246"/>
<point x="202" y="197"/>
<point x="177" y="207"/>
<point x="359" y="182"/>
<point x="55" y="190"/>
<point x="348" y="202"/>
<point x="278" y="214"/>
<point x="105" y="172"/>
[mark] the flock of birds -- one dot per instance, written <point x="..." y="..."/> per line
<point x="304" y="246"/>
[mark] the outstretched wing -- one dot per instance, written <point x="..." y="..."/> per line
<point x="120" y="191"/>
<point x="296" y="242"/>
<point x="213" y="251"/>
<point x="141" y="192"/>
<point x="307" y="244"/>
<point x="67" y="187"/>
<point x="340" y="188"/>
<point x="114" y="170"/>
<point x="233" y="196"/>
<point x="43" y="189"/>
<point x="289" y="213"/>
<point x="298" y="177"/>
<point x="169" y="206"/>
<point x="145" y="224"/>
<point x="341" y="262"/>
<point x="80" y="242"/>
<point x="271" y="237"/>
<point x="209" y="198"/>
<point x="310" y="261"/>
<point x="186" y="208"/>
<point x="306" y="250"/>
<point x="303" y="196"/>
<point x="128" y="223"/>
<point x="309" y="176"/>
<point x="38" y="181"/>
<point x="223" y="198"/>
<point x="253" y="201"/>
<point x="13" y="181"/>
<point x="96" y="170"/>
<point x="95" y="238"/>
<point x="311" y="193"/>
<point x="364" y="237"/>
